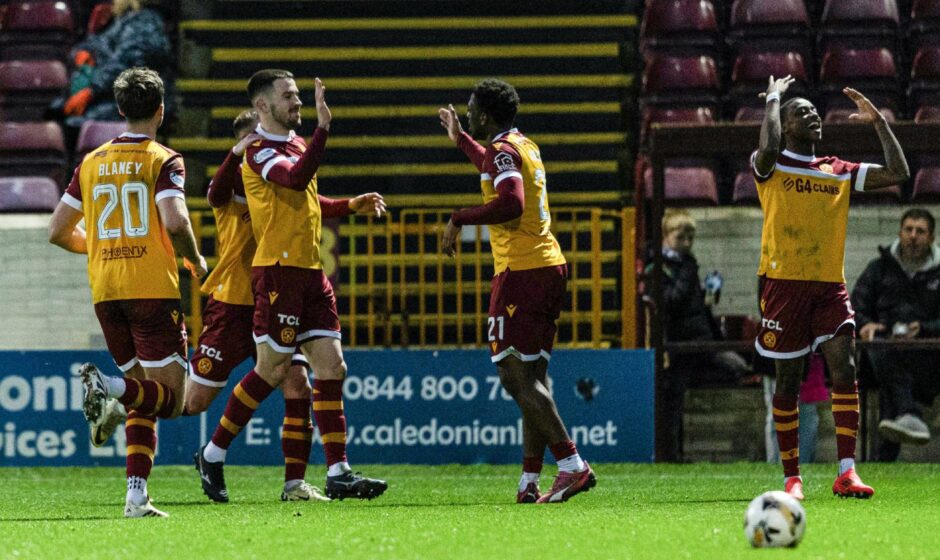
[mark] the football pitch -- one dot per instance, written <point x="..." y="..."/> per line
<point x="455" y="512"/>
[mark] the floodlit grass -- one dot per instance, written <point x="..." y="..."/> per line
<point x="454" y="512"/>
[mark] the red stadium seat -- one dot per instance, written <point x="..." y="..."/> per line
<point x="685" y="186"/>
<point x="686" y="80"/>
<point x="770" y="25"/>
<point x="28" y="87"/>
<point x="927" y="114"/>
<point x="33" y="149"/>
<point x="925" y="75"/>
<point x="841" y="115"/>
<point x="751" y="70"/>
<point x="745" y="190"/>
<point x="679" y="24"/>
<point x="925" y="23"/>
<point x="887" y="195"/>
<point x="693" y="115"/>
<point x="36" y="30"/>
<point x="871" y="71"/>
<point x="28" y="194"/>
<point x="872" y="23"/>
<point x="927" y="185"/>
<point x="96" y="133"/>
<point x="749" y="114"/>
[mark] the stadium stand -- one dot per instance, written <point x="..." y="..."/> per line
<point x="670" y="25"/>
<point x="28" y="86"/>
<point x="36" y="30"/>
<point x="33" y="149"/>
<point x="94" y="134"/>
<point x="573" y="69"/>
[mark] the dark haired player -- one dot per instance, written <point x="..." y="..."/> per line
<point x="803" y="300"/>
<point x="529" y="286"/>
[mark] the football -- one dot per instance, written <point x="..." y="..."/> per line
<point x="774" y="519"/>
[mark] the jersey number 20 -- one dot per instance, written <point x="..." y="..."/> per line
<point x="139" y="190"/>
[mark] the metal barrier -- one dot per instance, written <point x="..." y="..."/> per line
<point x="395" y="288"/>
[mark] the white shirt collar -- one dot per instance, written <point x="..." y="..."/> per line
<point x="501" y="134"/>
<point x="274" y="137"/>
<point x="799" y="157"/>
<point x="132" y="135"/>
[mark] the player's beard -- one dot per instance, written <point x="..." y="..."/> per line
<point x="286" y="120"/>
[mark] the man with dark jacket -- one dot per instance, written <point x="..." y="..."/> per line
<point x="898" y="296"/>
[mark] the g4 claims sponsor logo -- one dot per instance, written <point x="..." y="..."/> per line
<point x="808" y="186"/>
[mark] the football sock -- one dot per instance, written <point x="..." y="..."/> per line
<point x="295" y="438"/>
<point x="213" y="453"/>
<point x="116" y="386"/>
<point x="845" y="464"/>
<point x="245" y="399"/>
<point x="566" y="455"/>
<point x="845" y="415"/>
<point x="147" y="397"/>
<point x="531" y="469"/>
<point x="328" y="412"/>
<point x="141" y="435"/>
<point x="787" y="423"/>
<point x="338" y="469"/>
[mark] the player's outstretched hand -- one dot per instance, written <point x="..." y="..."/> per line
<point x="867" y="112"/>
<point x="369" y="204"/>
<point x="451" y="122"/>
<point x="780" y="86"/>
<point x="449" y="237"/>
<point x="324" y="116"/>
<point x="239" y="148"/>
<point x="197" y="269"/>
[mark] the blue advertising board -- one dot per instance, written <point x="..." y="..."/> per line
<point x="402" y="406"/>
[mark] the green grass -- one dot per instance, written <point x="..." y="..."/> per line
<point x="453" y="512"/>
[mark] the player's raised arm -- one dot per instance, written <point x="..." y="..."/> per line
<point x="222" y="186"/>
<point x="451" y="123"/>
<point x="769" y="147"/>
<point x="895" y="171"/>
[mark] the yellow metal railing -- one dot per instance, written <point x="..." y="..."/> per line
<point x="395" y="287"/>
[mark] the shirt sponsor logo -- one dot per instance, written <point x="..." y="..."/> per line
<point x="177" y="179"/>
<point x="808" y="186"/>
<point x="771" y="325"/>
<point x="264" y="155"/>
<point x="123" y="252"/>
<point x="504" y="162"/>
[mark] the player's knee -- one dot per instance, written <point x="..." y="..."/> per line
<point x="336" y="371"/>
<point x="196" y="403"/>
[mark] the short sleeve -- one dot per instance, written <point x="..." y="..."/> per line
<point x="757" y="176"/>
<point x="501" y="162"/>
<point x="172" y="179"/>
<point x="73" y="193"/>
<point x="858" y="171"/>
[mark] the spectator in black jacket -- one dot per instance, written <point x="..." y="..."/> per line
<point x="898" y="296"/>
<point x="687" y="316"/>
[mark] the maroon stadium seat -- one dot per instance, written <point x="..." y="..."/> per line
<point x="770" y="25"/>
<point x="749" y="114"/>
<point x="841" y="115"/>
<point x="925" y="75"/>
<point x="33" y="148"/>
<point x="693" y="115"/>
<point x="681" y="79"/>
<point x="675" y="24"/>
<point x="925" y="23"/>
<point x="927" y="114"/>
<point x="36" y="30"/>
<point x="872" y="22"/>
<point x="745" y="190"/>
<point x="871" y="71"/>
<point x="27" y="87"/>
<point x="751" y="70"/>
<point x="28" y="194"/>
<point x="96" y="133"/>
<point x="685" y="186"/>
<point x="927" y="185"/>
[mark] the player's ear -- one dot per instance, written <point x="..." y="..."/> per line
<point x="260" y="104"/>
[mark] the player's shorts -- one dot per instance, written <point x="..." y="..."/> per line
<point x="524" y="305"/>
<point x="224" y="343"/>
<point x="797" y="316"/>
<point x="292" y="305"/>
<point x="150" y="332"/>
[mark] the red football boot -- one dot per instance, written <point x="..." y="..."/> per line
<point x="567" y="484"/>
<point x="849" y="485"/>
<point x="794" y="487"/>
<point x="530" y="495"/>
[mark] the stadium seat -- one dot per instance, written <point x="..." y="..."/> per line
<point x="690" y="115"/>
<point x="751" y="70"/>
<point x="745" y="190"/>
<point x="927" y="114"/>
<point x="685" y="186"/>
<point x="33" y="149"/>
<point x="770" y="25"/>
<point x="96" y="133"/>
<point x="688" y="80"/>
<point x="36" y="30"/>
<point x="871" y="71"/>
<point x="872" y="23"/>
<point x="927" y="185"/>
<point x="887" y="195"/>
<point x="841" y="115"/>
<point x="28" y="194"/>
<point x="924" y="26"/>
<point x="27" y="87"/>
<point x="925" y="76"/>
<point x="749" y="114"/>
<point x="679" y="24"/>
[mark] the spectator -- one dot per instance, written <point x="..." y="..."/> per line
<point x="898" y="296"/>
<point x="813" y="391"/>
<point x="135" y="37"/>
<point x="687" y="316"/>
